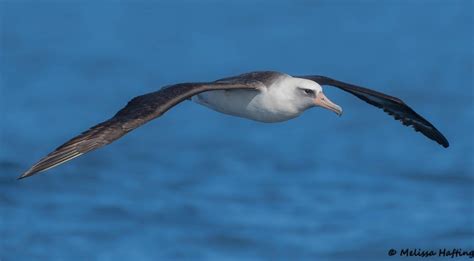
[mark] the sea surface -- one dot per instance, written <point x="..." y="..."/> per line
<point x="199" y="185"/>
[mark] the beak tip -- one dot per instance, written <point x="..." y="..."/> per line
<point x="338" y="111"/>
<point x="324" y="102"/>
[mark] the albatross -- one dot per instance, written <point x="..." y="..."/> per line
<point x="264" y="96"/>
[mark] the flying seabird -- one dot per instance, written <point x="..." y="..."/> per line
<point x="264" y="96"/>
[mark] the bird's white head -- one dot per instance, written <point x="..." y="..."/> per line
<point x="309" y="94"/>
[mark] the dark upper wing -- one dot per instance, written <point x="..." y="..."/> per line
<point x="138" y="111"/>
<point x="391" y="105"/>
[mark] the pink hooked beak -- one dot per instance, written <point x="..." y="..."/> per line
<point x="323" y="101"/>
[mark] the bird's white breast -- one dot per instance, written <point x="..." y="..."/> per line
<point x="265" y="105"/>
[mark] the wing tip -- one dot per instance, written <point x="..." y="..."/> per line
<point x="49" y="162"/>
<point x="34" y="170"/>
<point x="439" y="138"/>
<point x="444" y="143"/>
<point x="27" y="174"/>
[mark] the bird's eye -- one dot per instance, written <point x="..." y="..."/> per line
<point x="308" y="91"/>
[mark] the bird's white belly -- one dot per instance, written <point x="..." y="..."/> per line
<point x="249" y="104"/>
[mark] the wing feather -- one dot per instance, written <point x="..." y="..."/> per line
<point x="391" y="105"/>
<point x="137" y="112"/>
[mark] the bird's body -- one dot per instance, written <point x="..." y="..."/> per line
<point x="264" y="96"/>
<point x="269" y="103"/>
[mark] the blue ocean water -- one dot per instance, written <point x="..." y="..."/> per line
<point x="196" y="184"/>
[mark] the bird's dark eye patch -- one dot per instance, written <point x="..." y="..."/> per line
<point x="309" y="92"/>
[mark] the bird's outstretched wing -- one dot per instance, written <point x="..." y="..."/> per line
<point x="391" y="105"/>
<point x="138" y="111"/>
